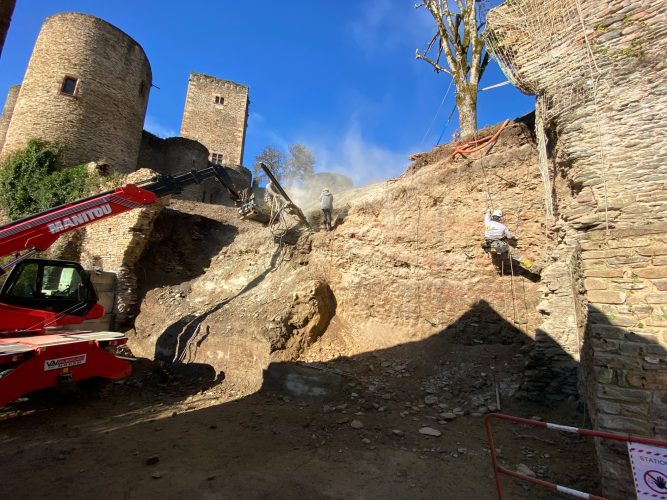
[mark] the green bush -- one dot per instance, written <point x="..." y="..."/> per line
<point x="32" y="180"/>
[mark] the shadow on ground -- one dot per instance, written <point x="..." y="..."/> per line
<point x="348" y="428"/>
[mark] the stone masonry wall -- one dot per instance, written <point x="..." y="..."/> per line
<point x="177" y="155"/>
<point x="7" y="112"/>
<point x="219" y="126"/>
<point x="116" y="244"/>
<point x="104" y="118"/>
<point x="599" y="74"/>
<point x="552" y="371"/>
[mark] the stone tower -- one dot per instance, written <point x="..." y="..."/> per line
<point x="8" y="111"/>
<point x="86" y="86"/>
<point x="216" y="114"/>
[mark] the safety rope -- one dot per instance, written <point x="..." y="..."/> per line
<point x="419" y="305"/>
<point x="542" y="155"/>
<point x="502" y="275"/>
<point x="523" y="195"/>
<point x="473" y="146"/>
<point x="512" y="285"/>
<point x="444" y="129"/>
<point x="489" y="198"/>
<point x="477" y="145"/>
<point x="525" y="304"/>
<point x="436" y="114"/>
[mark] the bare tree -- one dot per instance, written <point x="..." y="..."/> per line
<point x="459" y="24"/>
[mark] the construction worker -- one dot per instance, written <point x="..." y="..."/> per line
<point x="326" y="204"/>
<point x="497" y="241"/>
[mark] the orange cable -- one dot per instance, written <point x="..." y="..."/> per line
<point x="477" y="144"/>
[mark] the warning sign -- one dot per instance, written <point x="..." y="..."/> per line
<point x="649" y="468"/>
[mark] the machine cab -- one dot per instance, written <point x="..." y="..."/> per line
<point x="50" y="285"/>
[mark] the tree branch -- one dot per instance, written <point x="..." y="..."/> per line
<point x="434" y="8"/>
<point x="430" y="44"/>
<point x="435" y="64"/>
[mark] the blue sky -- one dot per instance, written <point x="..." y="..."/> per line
<point x="340" y="77"/>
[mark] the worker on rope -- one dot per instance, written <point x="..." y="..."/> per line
<point x="497" y="239"/>
<point x="326" y="204"/>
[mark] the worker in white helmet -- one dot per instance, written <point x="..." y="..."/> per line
<point x="494" y="229"/>
<point x="497" y="240"/>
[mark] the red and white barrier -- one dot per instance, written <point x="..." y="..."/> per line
<point x="646" y="478"/>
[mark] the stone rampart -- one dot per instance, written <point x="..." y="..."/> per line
<point x="116" y="244"/>
<point x="598" y="70"/>
<point x="177" y="155"/>
<point x="7" y="112"/>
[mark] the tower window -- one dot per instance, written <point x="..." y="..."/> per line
<point x="216" y="158"/>
<point x="219" y="99"/>
<point x="142" y="89"/>
<point x="69" y="85"/>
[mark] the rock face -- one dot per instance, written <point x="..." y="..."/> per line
<point x="406" y="259"/>
<point x="598" y="69"/>
<point x="403" y="263"/>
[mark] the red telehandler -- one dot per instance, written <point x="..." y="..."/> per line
<point x="39" y="295"/>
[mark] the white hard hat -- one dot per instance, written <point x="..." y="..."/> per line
<point x="325" y="189"/>
<point x="497" y="213"/>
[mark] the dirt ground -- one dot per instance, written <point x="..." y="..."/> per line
<point x="185" y="437"/>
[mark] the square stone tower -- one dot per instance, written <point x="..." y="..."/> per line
<point x="216" y="115"/>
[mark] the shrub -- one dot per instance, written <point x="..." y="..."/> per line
<point x="32" y="180"/>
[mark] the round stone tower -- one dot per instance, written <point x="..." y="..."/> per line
<point x="86" y="86"/>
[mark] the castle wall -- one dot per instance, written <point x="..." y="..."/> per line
<point x="7" y="112"/>
<point x="103" y="117"/>
<point x="177" y="155"/>
<point x="115" y="245"/>
<point x="215" y="115"/>
<point x="599" y="75"/>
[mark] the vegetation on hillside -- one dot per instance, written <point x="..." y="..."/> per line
<point x="293" y="168"/>
<point x="32" y="179"/>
